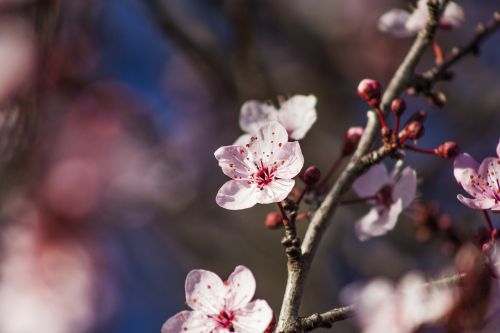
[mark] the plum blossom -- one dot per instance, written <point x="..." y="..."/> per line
<point x="261" y="171"/>
<point x="389" y="195"/>
<point x="296" y="114"/>
<point x="382" y="307"/>
<point x="481" y="181"/>
<point x="221" y="307"/>
<point x="401" y="23"/>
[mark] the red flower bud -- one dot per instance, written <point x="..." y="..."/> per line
<point x="351" y="140"/>
<point x="370" y="91"/>
<point x="398" y="106"/>
<point x="413" y="130"/>
<point x="312" y="175"/>
<point x="448" y="150"/>
<point x="273" y="220"/>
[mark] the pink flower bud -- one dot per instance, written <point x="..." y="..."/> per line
<point x="351" y="140"/>
<point x="398" y="106"/>
<point x="312" y="175"/>
<point x="273" y="220"/>
<point x="448" y="149"/>
<point x="370" y="91"/>
<point x="414" y="130"/>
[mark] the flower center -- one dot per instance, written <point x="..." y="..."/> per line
<point x="225" y="320"/>
<point x="264" y="175"/>
<point x="384" y="196"/>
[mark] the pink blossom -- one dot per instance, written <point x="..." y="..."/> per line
<point x="401" y="23"/>
<point x="382" y="307"/>
<point x="221" y="307"/>
<point x="481" y="181"/>
<point x="389" y="195"/>
<point x="261" y="171"/>
<point x="296" y="114"/>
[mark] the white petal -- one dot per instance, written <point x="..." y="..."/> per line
<point x="189" y="322"/>
<point x="376" y="224"/>
<point x="235" y="161"/>
<point x="371" y="181"/>
<point x="243" y="140"/>
<point x="406" y="187"/>
<point x="267" y="143"/>
<point x="255" y="317"/>
<point x="205" y="292"/>
<point x="275" y="191"/>
<point x="394" y="23"/>
<point x="241" y="284"/>
<point x="289" y="160"/>
<point x="254" y="115"/>
<point x="481" y="203"/>
<point x="418" y="18"/>
<point x="453" y="16"/>
<point x="297" y="115"/>
<point x="464" y="167"/>
<point x="498" y="149"/>
<point x="237" y="194"/>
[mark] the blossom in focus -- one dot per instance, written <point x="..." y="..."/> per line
<point x="296" y="114"/>
<point x="382" y="307"/>
<point x="401" y="23"/>
<point x="480" y="181"/>
<point x="389" y="195"/>
<point x="261" y="171"/>
<point x="220" y="307"/>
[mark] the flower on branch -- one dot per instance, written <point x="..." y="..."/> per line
<point x="401" y="23"/>
<point x="261" y="171"/>
<point x="389" y="195"/>
<point x="221" y="307"/>
<point x="296" y="114"/>
<point x="481" y="181"/>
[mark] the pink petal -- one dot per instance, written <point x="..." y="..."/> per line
<point x="276" y="191"/>
<point x="297" y="115"/>
<point x="498" y="149"/>
<point x="453" y="16"/>
<point x="482" y="203"/>
<point x="290" y="160"/>
<point x="241" y="284"/>
<point x="237" y="194"/>
<point x="418" y="18"/>
<point x="377" y="224"/>
<point x="254" y="115"/>
<point x="243" y="140"/>
<point x="205" y="292"/>
<point x="189" y="322"/>
<point x="235" y="161"/>
<point x="490" y="170"/>
<point x="268" y="142"/>
<point x="255" y="317"/>
<point x="394" y="23"/>
<point x="371" y="181"/>
<point x="464" y="167"/>
<point x="406" y="187"/>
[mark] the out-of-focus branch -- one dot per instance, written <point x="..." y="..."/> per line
<point x="424" y="82"/>
<point x="321" y="218"/>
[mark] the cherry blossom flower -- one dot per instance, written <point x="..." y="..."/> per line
<point x="401" y="23"/>
<point x="382" y="307"/>
<point x="296" y="114"/>
<point x="389" y="194"/>
<point x="261" y="171"/>
<point x="481" y="181"/>
<point x="221" y="307"/>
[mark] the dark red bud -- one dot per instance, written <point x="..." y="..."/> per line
<point x="312" y="175"/>
<point x="398" y="106"/>
<point x="273" y="220"/>
<point x="351" y="140"/>
<point x="448" y="149"/>
<point x="370" y="91"/>
<point x="414" y="130"/>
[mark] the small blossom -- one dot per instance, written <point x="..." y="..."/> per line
<point x="221" y="307"/>
<point x="296" y="114"/>
<point x="382" y="307"/>
<point x="401" y="23"/>
<point x="370" y="91"/>
<point x="391" y="194"/>
<point x="481" y="181"/>
<point x="351" y="140"/>
<point x="398" y="106"/>
<point x="261" y="171"/>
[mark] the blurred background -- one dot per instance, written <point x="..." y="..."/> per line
<point x="110" y="112"/>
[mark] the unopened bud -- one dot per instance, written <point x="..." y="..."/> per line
<point x="437" y="98"/>
<point x="370" y="91"/>
<point x="273" y="220"/>
<point x="398" y="106"/>
<point x="414" y="130"/>
<point x="351" y="140"/>
<point x="448" y="150"/>
<point x="312" y="175"/>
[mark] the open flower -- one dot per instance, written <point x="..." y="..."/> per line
<point x="481" y="181"/>
<point x="401" y="23"/>
<point x="382" y="307"/>
<point x="389" y="194"/>
<point x="296" y="114"/>
<point x="261" y="171"/>
<point x="221" y="307"/>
